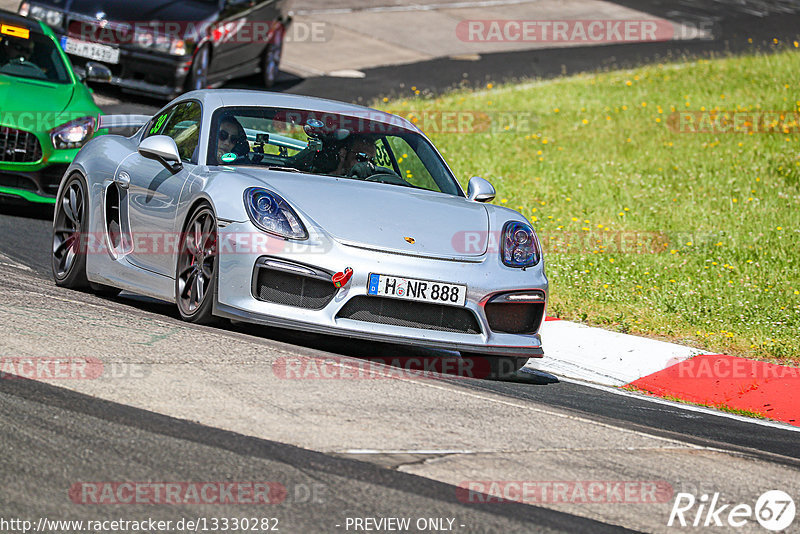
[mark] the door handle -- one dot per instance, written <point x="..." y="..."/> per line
<point x="123" y="180"/>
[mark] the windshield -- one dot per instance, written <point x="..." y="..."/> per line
<point x="32" y="55"/>
<point x="328" y="144"/>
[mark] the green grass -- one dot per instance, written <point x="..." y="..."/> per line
<point x="709" y="223"/>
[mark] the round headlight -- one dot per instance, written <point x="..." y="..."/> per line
<point x="265" y="203"/>
<point x="54" y="18"/>
<point x="272" y="214"/>
<point x="519" y="246"/>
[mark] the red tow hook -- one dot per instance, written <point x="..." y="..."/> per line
<point x="341" y="279"/>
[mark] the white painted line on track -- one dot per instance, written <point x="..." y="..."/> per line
<point x="347" y="73"/>
<point x="510" y="451"/>
<point x="411" y="451"/>
<point x="682" y="406"/>
<point x="412" y="7"/>
<point x="8" y="262"/>
<point x="559" y="415"/>
<point x="490" y="399"/>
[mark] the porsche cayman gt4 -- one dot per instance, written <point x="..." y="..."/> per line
<point x="306" y="214"/>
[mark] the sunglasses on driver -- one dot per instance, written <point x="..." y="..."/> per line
<point x="223" y="136"/>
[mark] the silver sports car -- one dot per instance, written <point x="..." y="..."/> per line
<point x="301" y="213"/>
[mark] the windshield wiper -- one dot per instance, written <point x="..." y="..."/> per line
<point x="283" y="169"/>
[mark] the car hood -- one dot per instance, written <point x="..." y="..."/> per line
<point x="381" y="216"/>
<point x="119" y="11"/>
<point x="32" y="105"/>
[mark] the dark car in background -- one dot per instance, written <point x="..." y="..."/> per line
<point x="165" y="47"/>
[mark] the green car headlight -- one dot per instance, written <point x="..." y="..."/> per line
<point x="73" y="134"/>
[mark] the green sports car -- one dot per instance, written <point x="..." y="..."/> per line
<point x="46" y="111"/>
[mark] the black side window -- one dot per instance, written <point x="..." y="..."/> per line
<point x="184" y="127"/>
<point x="181" y="123"/>
<point x="157" y="123"/>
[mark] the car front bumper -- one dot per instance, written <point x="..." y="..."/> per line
<point x="38" y="181"/>
<point x="143" y="72"/>
<point x="485" y="278"/>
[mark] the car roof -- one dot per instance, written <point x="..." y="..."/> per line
<point x="243" y="97"/>
<point x="12" y="19"/>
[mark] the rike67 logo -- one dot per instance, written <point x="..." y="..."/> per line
<point x="774" y="510"/>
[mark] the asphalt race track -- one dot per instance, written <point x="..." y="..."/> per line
<point x="138" y="445"/>
<point x="206" y="405"/>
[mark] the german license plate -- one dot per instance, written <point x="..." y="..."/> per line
<point x="96" y="51"/>
<point x="419" y="290"/>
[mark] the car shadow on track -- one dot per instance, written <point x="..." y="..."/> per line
<point x="25" y="210"/>
<point x="386" y="359"/>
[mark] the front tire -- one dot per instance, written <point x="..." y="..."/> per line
<point x="196" y="270"/>
<point x="70" y="234"/>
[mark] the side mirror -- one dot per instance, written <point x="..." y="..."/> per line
<point x="163" y="149"/>
<point x="95" y="72"/>
<point x="480" y="190"/>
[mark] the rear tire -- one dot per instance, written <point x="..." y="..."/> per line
<point x="198" y="74"/>
<point x="500" y="367"/>
<point x="196" y="270"/>
<point x="272" y="58"/>
<point x="70" y="235"/>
